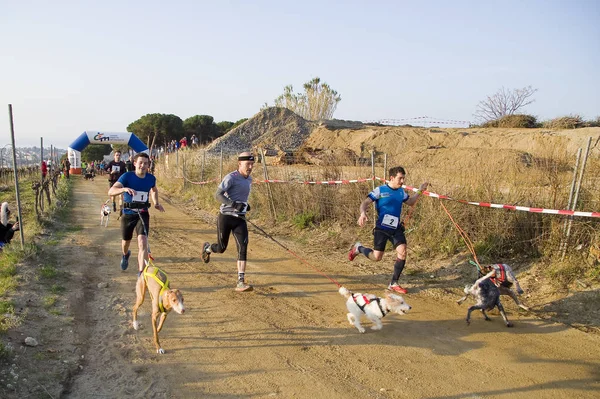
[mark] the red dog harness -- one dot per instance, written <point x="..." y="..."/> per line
<point x="500" y="276"/>
<point x="366" y="302"/>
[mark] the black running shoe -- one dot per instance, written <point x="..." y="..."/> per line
<point x="205" y="254"/>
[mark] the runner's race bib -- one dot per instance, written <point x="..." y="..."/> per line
<point x="140" y="196"/>
<point x="116" y="168"/>
<point x="390" y="221"/>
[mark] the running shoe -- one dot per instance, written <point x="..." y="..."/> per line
<point x="125" y="261"/>
<point x="242" y="286"/>
<point x="396" y="288"/>
<point x="205" y="253"/>
<point x="354" y="251"/>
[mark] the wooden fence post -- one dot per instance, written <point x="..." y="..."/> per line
<point x="269" y="192"/>
<point x="576" y="198"/>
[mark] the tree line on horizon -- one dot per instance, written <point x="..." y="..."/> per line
<point x="160" y="129"/>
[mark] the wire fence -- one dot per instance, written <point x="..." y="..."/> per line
<point x="306" y="188"/>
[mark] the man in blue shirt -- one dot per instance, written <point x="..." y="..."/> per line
<point x="137" y="188"/>
<point x="388" y="203"/>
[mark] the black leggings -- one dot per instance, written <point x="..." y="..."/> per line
<point x="227" y="224"/>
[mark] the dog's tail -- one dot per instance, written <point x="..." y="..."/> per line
<point x="344" y="292"/>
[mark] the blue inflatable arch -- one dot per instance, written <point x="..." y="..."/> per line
<point x="94" y="137"/>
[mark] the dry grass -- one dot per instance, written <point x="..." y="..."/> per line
<point x="498" y="235"/>
<point x="513" y="121"/>
<point x="565" y="122"/>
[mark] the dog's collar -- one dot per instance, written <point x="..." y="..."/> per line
<point x="164" y="285"/>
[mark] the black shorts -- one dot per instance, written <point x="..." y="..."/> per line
<point x="134" y="222"/>
<point x="381" y="237"/>
<point x="111" y="183"/>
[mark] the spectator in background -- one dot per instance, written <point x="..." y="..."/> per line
<point x="7" y="230"/>
<point x="44" y="169"/>
<point x="66" y="166"/>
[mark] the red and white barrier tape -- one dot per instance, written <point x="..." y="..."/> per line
<point x="269" y="181"/>
<point x="325" y="182"/>
<point x="340" y="181"/>
<point x="511" y="207"/>
<point x="434" y="195"/>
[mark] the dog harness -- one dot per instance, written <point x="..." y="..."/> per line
<point x="164" y="285"/>
<point x="366" y="302"/>
<point x="500" y="275"/>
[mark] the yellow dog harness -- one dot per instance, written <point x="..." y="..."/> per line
<point x="164" y="285"/>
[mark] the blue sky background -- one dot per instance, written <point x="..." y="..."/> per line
<point x="70" y="66"/>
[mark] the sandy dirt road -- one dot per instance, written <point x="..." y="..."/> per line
<point x="289" y="338"/>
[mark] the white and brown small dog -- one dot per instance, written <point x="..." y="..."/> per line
<point x="372" y="306"/>
<point x="105" y="212"/>
<point x="163" y="298"/>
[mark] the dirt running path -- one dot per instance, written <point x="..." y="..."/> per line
<point x="290" y="337"/>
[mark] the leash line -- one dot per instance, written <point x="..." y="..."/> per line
<point x="464" y="236"/>
<point x="146" y="232"/>
<point x="294" y="254"/>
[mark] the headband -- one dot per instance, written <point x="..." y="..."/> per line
<point x="246" y="158"/>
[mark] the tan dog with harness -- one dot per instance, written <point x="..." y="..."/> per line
<point x="164" y="299"/>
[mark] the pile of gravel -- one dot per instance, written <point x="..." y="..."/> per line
<point x="273" y="128"/>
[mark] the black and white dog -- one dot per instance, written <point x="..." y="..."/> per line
<point x="488" y="297"/>
<point x="504" y="278"/>
<point x="105" y="212"/>
<point x="373" y="307"/>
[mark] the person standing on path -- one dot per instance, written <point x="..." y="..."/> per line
<point x="388" y="203"/>
<point x="233" y="193"/>
<point x="137" y="188"/>
<point x="66" y="165"/>
<point x="115" y="168"/>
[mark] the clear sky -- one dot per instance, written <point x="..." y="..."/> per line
<point x="70" y="66"/>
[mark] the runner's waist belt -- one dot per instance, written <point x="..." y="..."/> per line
<point x="136" y="205"/>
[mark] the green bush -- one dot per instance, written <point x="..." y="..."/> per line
<point x="514" y="121"/>
<point x="304" y="220"/>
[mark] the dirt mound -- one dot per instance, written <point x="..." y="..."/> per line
<point x="400" y="141"/>
<point x="274" y="128"/>
<point x="281" y="130"/>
